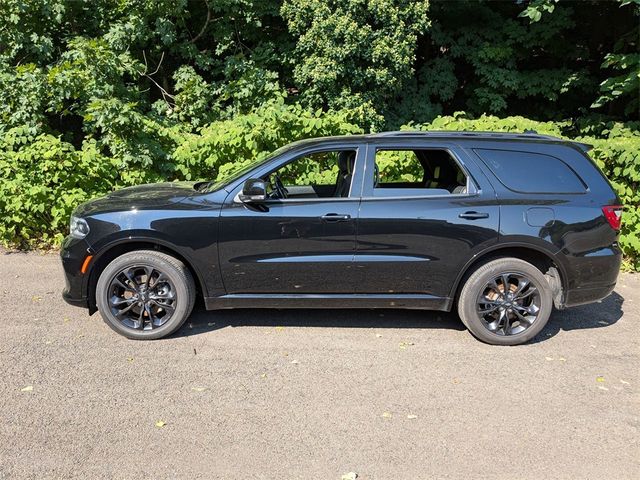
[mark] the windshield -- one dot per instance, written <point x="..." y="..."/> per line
<point x="237" y="170"/>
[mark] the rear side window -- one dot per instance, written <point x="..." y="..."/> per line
<point x="531" y="172"/>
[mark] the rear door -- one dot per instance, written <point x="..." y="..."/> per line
<point x="426" y="209"/>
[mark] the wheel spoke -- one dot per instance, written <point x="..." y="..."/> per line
<point x="507" y="324"/>
<point x="522" y="318"/>
<point x="165" y="296"/>
<point x="493" y="285"/>
<point x="141" y="319"/>
<point x="505" y="283"/>
<point x="169" y="308"/>
<point x="125" y="310"/>
<point x="117" y="301"/>
<point x="150" y="316"/>
<point x="530" y="291"/>
<point x="522" y="284"/>
<point x="134" y="284"/>
<point x="148" y="273"/>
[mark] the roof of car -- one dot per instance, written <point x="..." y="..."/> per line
<point x="528" y="135"/>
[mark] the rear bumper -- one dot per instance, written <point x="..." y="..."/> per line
<point x="582" y="296"/>
<point x="592" y="277"/>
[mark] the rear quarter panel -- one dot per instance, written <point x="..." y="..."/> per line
<point x="569" y="226"/>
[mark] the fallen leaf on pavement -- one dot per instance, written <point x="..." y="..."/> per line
<point x="549" y="359"/>
<point x="129" y="359"/>
<point x="198" y="389"/>
<point x="600" y="379"/>
<point x="404" y="345"/>
<point x="160" y="424"/>
<point x="279" y="328"/>
<point x="28" y="388"/>
<point x="386" y="415"/>
<point x="295" y="362"/>
<point x="412" y="417"/>
<point x="349" y="476"/>
<point x="379" y="335"/>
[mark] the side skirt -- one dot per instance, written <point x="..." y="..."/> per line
<point x="333" y="300"/>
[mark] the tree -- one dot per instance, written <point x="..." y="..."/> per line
<point x="355" y="54"/>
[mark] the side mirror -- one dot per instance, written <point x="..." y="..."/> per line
<point x="254" y="190"/>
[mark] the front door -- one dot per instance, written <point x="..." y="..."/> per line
<point x="301" y="241"/>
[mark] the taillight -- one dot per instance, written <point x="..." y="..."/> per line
<point x="613" y="214"/>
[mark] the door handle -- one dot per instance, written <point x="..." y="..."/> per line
<point x="474" y="215"/>
<point x="336" y="217"/>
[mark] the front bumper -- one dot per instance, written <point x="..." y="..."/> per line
<point x="73" y="254"/>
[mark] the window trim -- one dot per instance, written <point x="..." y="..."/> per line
<point x="522" y="192"/>
<point x="291" y="156"/>
<point x="473" y="188"/>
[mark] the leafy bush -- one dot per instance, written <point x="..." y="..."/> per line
<point x="245" y="138"/>
<point x="45" y="178"/>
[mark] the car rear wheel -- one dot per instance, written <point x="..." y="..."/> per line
<point x="505" y="302"/>
<point x="145" y="294"/>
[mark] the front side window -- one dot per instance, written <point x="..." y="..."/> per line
<point x="317" y="175"/>
<point x="420" y="172"/>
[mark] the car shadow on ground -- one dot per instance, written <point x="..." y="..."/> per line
<point x="597" y="315"/>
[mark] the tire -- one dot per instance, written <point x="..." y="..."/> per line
<point x="145" y="295"/>
<point x="526" y="312"/>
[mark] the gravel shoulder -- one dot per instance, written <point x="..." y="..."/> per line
<point x="268" y="394"/>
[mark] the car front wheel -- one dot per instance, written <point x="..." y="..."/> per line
<point x="145" y="294"/>
<point x="505" y="302"/>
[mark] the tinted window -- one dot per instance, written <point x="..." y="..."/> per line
<point x="531" y="172"/>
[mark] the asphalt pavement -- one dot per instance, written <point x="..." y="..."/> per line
<point x="268" y="394"/>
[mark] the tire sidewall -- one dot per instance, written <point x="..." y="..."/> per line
<point x="183" y="302"/>
<point x="479" y="279"/>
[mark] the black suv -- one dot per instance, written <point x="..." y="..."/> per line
<point x="500" y="226"/>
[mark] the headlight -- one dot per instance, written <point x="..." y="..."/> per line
<point x="79" y="227"/>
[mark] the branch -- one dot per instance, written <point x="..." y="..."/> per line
<point x="144" y="73"/>
<point x="206" y="24"/>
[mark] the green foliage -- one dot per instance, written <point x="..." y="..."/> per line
<point x="247" y="138"/>
<point x="354" y="54"/>
<point x="44" y="179"/>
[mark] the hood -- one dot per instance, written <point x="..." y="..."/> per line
<point x="142" y="197"/>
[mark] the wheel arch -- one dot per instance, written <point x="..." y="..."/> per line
<point x="113" y="250"/>
<point x="537" y="256"/>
